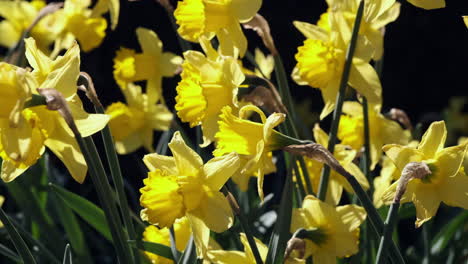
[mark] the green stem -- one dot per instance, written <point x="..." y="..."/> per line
<point x="175" y="252"/>
<point x="18" y="242"/>
<point x="301" y="189"/>
<point x="374" y="218"/>
<point x="392" y="219"/>
<point x="105" y="194"/>
<point x="244" y="223"/>
<point x="323" y="185"/>
<point x="117" y="177"/>
<point x="426" y="244"/>
<point x="367" y="155"/>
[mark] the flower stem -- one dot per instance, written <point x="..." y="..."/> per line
<point x="367" y="154"/>
<point x="392" y="219"/>
<point x="243" y="221"/>
<point x="323" y="185"/>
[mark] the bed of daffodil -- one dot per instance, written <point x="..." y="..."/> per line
<point x="202" y="199"/>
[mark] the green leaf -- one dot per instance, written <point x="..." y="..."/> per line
<point x="155" y="248"/>
<point x="445" y="235"/>
<point x="67" y="256"/>
<point x="18" y="242"/>
<point x="90" y="213"/>
<point x="4" y="251"/>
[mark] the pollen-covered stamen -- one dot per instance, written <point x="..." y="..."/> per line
<point x="318" y="62"/>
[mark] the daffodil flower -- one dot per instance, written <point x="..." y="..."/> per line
<point x="183" y="186"/>
<point x="23" y="142"/>
<point x="447" y="183"/>
<point x="208" y="84"/>
<point x="321" y="59"/>
<point x="113" y="6"/>
<point x="197" y="18"/>
<point x="253" y="141"/>
<point x="377" y="14"/>
<point x="233" y="256"/>
<point x="182" y="232"/>
<point x="18" y="16"/>
<point x="75" y="22"/>
<point x="337" y="182"/>
<point x="428" y="4"/>
<point x="132" y="124"/>
<point x="381" y="130"/>
<point x="151" y="65"/>
<point x="333" y="226"/>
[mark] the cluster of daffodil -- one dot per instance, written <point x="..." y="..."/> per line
<point x="200" y="204"/>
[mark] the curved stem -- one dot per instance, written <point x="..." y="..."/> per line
<point x="392" y="219"/>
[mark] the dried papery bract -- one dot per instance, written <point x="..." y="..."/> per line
<point x="90" y="90"/>
<point x="266" y="98"/>
<point x="261" y="26"/>
<point x="401" y="117"/>
<point x="413" y="170"/>
<point x="55" y="101"/>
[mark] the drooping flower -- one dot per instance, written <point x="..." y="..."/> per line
<point x="377" y="14"/>
<point x="132" y="124"/>
<point x="19" y="15"/>
<point x="24" y="135"/>
<point x="381" y="130"/>
<point x="75" y="22"/>
<point x="182" y="232"/>
<point x="337" y="182"/>
<point x="447" y="183"/>
<point x="151" y="65"/>
<point x="208" y="84"/>
<point x="321" y="59"/>
<point x="336" y="229"/>
<point x="197" y="18"/>
<point x="253" y="141"/>
<point x="181" y="185"/>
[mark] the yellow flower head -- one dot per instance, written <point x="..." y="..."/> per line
<point x="182" y="232"/>
<point x="428" y="4"/>
<point x="132" y="124"/>
<point x="377" y="14"/>
<point x="18" y="16"/>
<point x="24" y="139"/>
<point x="151" y="65"/>
<point x="77" y="22"/>
<point x="247" y="257"/>
<point x="337" y="182"/>
<point x="182" y="185"/>
<point x="321" y="59"/>
<point x="332" y="226"/>
<point x="208" y="84"/>
<point x="197" y="18"/>
<point x="381" y="130"/>
<point x="253" y="141"/>
<point x="447" y="183"/>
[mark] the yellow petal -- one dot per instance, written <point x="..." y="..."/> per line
<point x="449" y="160"/>
<point x="388" y="16"/>
<point x="170" y="63"/>
<point x="320" y="136"/>
<point x="352" y="216"/>
<point x="227" y="257"/>
<point x="155" y="161"/>
<point x="10" y="35"/>
<point x="10" y="171"/>
<point x="130" y="143"/>
<point x="427" y="201"/>
<point x="433" y="139"/>
<point x="453" y="191"/>
<point x="87" y="124"/>
<point x="329" y="97"/>
<point x="219" y="169"/>
<point x="215" y="212"/>
<point x="428" y="4"/>
<point x="154" y="89"/>
<point x="149" y="42"/>
<point x="201" y="235"/>
<point x="187" y="160"/>
<point x="244" y="10"/>
<point x="311" y="31"/>
<point x="67" y="150"/>
<point x="401" y="155"/>
<point x="365" y="80"/>
<point x="90" y="32"/>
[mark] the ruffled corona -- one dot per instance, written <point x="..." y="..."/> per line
<point x="190" y="15"/>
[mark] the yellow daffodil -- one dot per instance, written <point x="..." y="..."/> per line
<point x="208" y="84"/>
<point x="464" y="140"/>
<point x="181" y="185"/>
<point x="321" y="59"/>
<point x="75" y="22"/>
<point x="102" y="6"/>
<point x="254" y="142"/>
<point x="447" y="183"/>
<point x="465" y="20"/>
<point x="132" y="124"/>
<point x="345" y="157"/>
<point x="182" y="232"/>
<point x="23" y="140"/>
<point x="336" y="229"/>
<point x="428" y="4"/>
<point x="18" y="16"/>
<point x="265" y="63"/>
<point x="388" y="174"/>
<point x="151" y="65"/>
<point x="381" y="130"/>
<point x="247" y="257"/>
<point x="377" y="14"/>
<point x="197" y="18"/>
